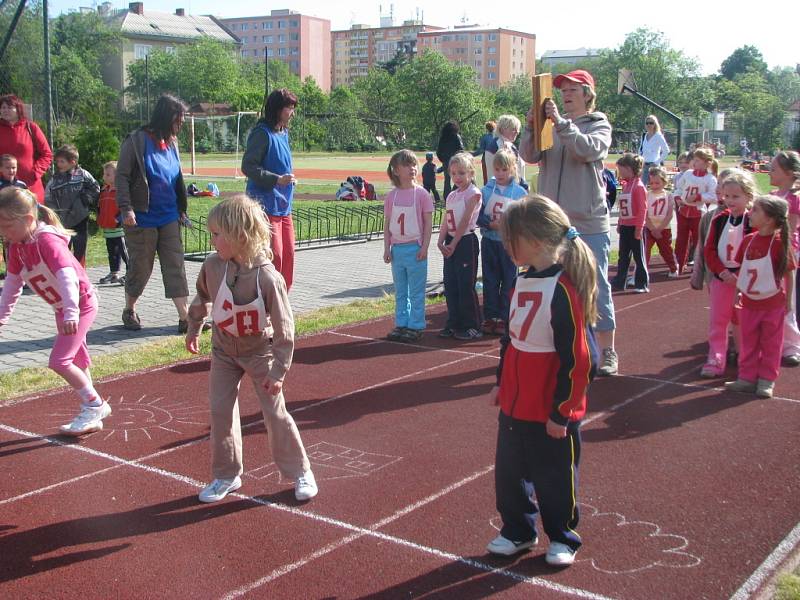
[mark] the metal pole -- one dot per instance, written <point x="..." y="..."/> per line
<point x="266" y="74"/>
<point x="676" y="118"/>
<point x="147" y="84"/>
<point x="191" y="145"/>
<point x="12" y="27"/>
<point x="48" y="81"/>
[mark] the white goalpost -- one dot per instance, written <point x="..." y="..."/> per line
<point x="220" y="135"/>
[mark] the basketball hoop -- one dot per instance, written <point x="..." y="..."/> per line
<point x="626" y="84"/>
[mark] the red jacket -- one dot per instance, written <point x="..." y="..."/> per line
<point x="26" y="142"/>
<point x="713" y="261"/>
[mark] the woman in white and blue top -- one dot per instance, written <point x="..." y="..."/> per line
<point x="499" y="271"/>
<point x="653" y="147"/>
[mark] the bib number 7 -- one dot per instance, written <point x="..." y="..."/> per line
<point x="530" y="301"/>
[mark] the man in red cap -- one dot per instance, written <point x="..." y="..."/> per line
<point x="571" y="174"/>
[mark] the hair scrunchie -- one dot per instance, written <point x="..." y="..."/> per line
<point x="572" y="233"/>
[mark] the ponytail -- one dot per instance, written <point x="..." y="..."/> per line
<point x="579" y="263"/>
<point x="49" y="217"/>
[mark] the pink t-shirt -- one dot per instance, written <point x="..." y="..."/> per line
<point x="456" y="206"/>
<point x="405" y="210"/>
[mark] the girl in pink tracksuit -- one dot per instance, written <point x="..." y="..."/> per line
<point x="766" y="283"/>
<point x="38" y="255"/>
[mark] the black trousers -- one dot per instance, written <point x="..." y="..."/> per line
<point x="77" y="243"/>
<point x="460" y="275"/>
<point x="530" y="463"/>
<point x="117" y="253"/>
<point x="432" y="190"/>
<point x="630" y="246"/>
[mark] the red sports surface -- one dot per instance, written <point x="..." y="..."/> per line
<point x="686" y="491"/>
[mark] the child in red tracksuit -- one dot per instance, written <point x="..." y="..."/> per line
<point x="694" y="193"/>
<point x="659" y="218"/>
<point x="725" y="234"/>
<point x="632" y="204"/>
<point x="765" y="281"/>
<point x="547" y="360"/>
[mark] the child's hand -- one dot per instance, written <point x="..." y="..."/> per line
<point x="387" y="256"/>
<point x="287" y="179"/>
<point x="422" y="254"/>
<point x="494" y="398"/>
<point x="637" y="233"/>
<point x="449" y="249"/>
<point x="192" y="343"/>
<point x="656" y="233"/>
<point x="273" y="387"/>
<point x="495" y="224"/>
<point x="69" y="327"/>
<point x="129" y="219"/>
<point x="554" y="430"/>
<point x="728" y="278"/>
<point x="618" y="227"/>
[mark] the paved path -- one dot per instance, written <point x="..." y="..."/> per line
<point x="323" y="277"/>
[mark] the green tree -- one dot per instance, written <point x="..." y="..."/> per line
<point x="514" y="97"/>
<point x="345" y="129"/>
<point x="432" y="90"/>
<point x="377" y="94"/>
<point x="22" y="67"/>
<point x="742" y="60"/>
<point x="755" y="111"/>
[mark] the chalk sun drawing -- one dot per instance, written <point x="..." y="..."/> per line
<point x="655" y="548"/>
<point x="147" y="417"/>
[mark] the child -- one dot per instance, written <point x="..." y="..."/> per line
<point x="429" y="176"/>
<point x="108" y="219"/>
<point x="701" y="274"/>
<point x="499" y="271"/>
<point x="632" y="214"/>
<point x="38" y="255"/>
<point x="8" y="172"/>
<point x="659" y="220"/>
<point x="546" y="364"/>
<point x="459" y="245"/>
<point x="70" y="193"/>
<point x="408" y="211"/>
<point x="253" y="333"/>
<point x="766" y="283"/>
<point x="508" y="128"/>
<point x="695" y="191"/>
<point x="725" y="235"/>
<point x="785" y="175"/>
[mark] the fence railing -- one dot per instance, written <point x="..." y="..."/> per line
<point x="316" y="227"/>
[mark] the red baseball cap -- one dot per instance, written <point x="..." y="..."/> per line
<point x="578" y="76"/>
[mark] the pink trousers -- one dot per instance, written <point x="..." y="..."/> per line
<point x="282" y="244"/>
<point x="762" y="340"/>
<point x="71" y="349"/>
<point x="722" y="313"/>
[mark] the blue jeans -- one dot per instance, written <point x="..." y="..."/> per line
<point x="600" y="245"/>
<point x="410" y="277"/>
<point x="499" y="276"/>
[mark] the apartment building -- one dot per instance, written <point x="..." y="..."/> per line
<point x="355" y="50"/>
<point x="301" y="41"/>
<point x="497" y="55"/>
<point x="569" y="57"/>
<point x="142" y="31"/>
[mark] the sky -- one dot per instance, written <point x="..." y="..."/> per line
<point x="710" y="35"/>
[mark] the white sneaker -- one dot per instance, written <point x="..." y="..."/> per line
<point x="673" y="275"/>
<point x="89" y="420"/>
<point x="305" y="487"/>
<point x="219" y="488"/>
<point x="505" y="547"/>
<point x="630" y="281"/>
<point x="559" y="555"/>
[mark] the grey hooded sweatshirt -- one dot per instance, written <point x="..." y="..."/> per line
<point x="571" y="172"/>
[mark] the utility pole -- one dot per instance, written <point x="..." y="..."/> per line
<point x="48" y="80"/>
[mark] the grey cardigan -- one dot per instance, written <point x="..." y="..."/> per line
<point x="133" y="191"/>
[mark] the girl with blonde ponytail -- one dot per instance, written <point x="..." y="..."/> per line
<point x="547" y="360"/>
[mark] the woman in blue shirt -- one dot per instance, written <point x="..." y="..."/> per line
<point x="267" y="163"/>
<point x="152" y="202"/>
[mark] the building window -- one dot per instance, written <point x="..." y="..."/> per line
<point x="294" y="36"/>
<point x="141" y="50"/>
<point x="169" y="49"/>
<point x="478" y="37"/>
<point x="270" y="52"/>
<point x="294" y="23"/>
<point x="492" y="37"/>
<point x="294" y="50"/>
<point x="281" y="24"/>
<point x="244" y="39"/>
<point x="492" y="49"/>
<point x="268" y="25"/>
<point x="478" y="51"/>
<point x="245" y="26"/>
<point x="491" y="75"/>
<point x="478" y="63"/>
<point x="281" y="39"/>
<point x="244" y="53"/>
<point x="492" y="62"/>
<point x="281" y="51"/>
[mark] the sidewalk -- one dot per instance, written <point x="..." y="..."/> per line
<point x="323" y="277"/>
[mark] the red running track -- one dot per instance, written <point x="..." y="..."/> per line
<point x="686" y="491"/>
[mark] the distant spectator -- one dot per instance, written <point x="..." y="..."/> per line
<point x="653" y="148"/>
<point x="25" y="141"/>
<point x="483" y="144"/>
<point x="450" y="144"/>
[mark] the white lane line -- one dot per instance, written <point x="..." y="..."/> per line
<point x="767" y="568"/>
<point x="648" y="301"/>
<point x="407" y="345"/>
<point x="329" y="520"/>
<point x="699" y="387"/>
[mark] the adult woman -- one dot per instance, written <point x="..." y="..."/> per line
<point x="653" y="147"/>
<point x="152" y="201"/>
<point x="450" y="144"/>
<point x="571" y="174"/>
<point x="25" y="141"/>
<point x="267" y="162"/>
<point x="486" y="139"/>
